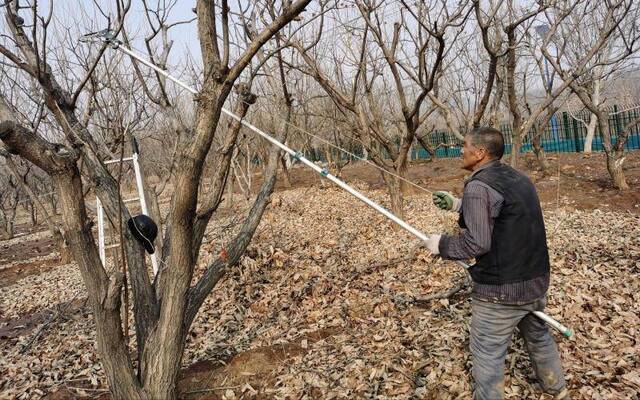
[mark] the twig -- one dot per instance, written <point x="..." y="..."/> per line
<point x="442" y="295"/>
<point x="424" y="301"/>
<point x="52" y="318"/>
<point x="553" y="232"/>
<point x="80" y="389"/>
<point x="211" y="389"/>
<point x="35" y="337"/>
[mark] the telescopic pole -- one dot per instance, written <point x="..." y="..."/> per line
<point x="107" y="36"/>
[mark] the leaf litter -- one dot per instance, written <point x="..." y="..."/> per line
<point x="323" y="262"/>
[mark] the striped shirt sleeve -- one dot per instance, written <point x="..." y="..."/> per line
<point x="480" y="206"/>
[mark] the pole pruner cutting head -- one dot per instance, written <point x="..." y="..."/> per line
<point x="105" y="35"/>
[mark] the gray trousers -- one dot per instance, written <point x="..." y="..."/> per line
<point x="491" y="328"/>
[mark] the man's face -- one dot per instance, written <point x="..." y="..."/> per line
<point x="471" y="155"/>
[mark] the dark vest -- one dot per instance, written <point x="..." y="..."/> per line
<point x="518" y="242"/>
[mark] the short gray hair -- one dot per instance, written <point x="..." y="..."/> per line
<point x="488" y="138"/>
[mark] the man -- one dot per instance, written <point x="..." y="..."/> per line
<point x="504" y="231"/>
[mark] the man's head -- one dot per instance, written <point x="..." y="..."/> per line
<point x="481" y="145"/>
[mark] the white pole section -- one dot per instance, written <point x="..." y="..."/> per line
<point x="565" y="331"/>
<point x="100" y="231"/>
<point x="554" y="324"/>
<point x="143" y="202"/>
<point x="136" y="170"/>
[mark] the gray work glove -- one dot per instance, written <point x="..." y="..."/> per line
<point x="446" y="201"/>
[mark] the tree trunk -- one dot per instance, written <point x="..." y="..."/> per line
<point x="591" y="131"/>
<point x="614" y="158"/>
<point x="515" y="148"/>
<point x="285" y="172"/>
<point x="6" y="223"/>
<point x="33" y="213"/>
<point x="541" y="155"/>
<point x="593" y="121"/>
<point x="65" y="252"/>
<point x="614" y="166"/>
<point x="394" y="188"/>
<point x="53" y="203"/>
<point x="405" y="188"/>
<point x="397" y="199"/>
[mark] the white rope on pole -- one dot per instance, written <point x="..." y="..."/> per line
<point x="322" y="171"/>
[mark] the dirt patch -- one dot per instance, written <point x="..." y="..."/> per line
<point x="247" y="373"/>
<point x="11" y="329"/>
<point x="22" y="250"/>
<point x="12" y="274"/>
<point x="27" y="253"/>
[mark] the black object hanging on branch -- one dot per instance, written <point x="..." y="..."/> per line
<point x="145" y="230"/>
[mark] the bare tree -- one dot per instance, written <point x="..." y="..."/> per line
<point x="38" y="204"/>
<point x="163" y="310"/>
<point x="377" y="94"/>
<point x="608" y="64"/>
<point x="609" y="21"/>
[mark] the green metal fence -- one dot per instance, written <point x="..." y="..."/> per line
<point x="565" y="133"/>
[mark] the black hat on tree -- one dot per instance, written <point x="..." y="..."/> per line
<point x="144" y="230"/>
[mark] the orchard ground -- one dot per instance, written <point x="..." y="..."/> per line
<point x="317" y="306"/>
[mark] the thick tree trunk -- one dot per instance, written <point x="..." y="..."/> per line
<point x="397" y="198"/>
<point x="103" y="290"/>
<point x="53" y="203"/>
<point x="541" y="155"/>
<point x="614" y="166"/>
<point x="394" y="188"/>
<point x="614" y="157"/>
<point x="401" y="164"/>
<point x="66" y="255"/>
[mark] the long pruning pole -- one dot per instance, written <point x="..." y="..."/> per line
<point x="108" y="37"/>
